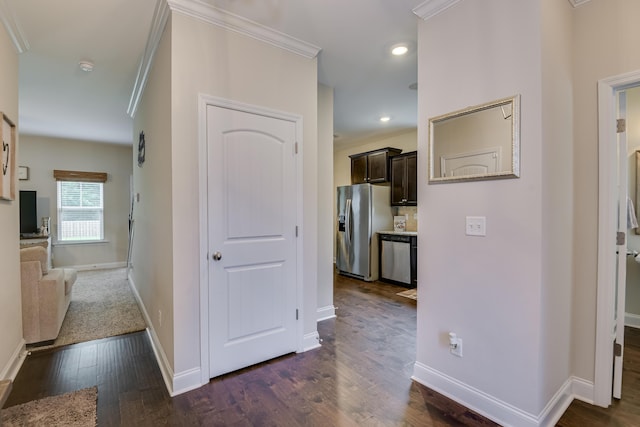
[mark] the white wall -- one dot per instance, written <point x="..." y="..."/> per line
<point x="11" y="342"/>
<point x="596" y="55"/>
<point x="195" y="58"/>
<point x="43" y="154"/>
<point x="325" y="202"/>
<point x="489" y="290"/>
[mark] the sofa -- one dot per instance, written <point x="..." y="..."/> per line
<point x="46" y="295"/>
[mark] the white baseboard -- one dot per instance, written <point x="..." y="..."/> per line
<point x="103" y="266"/>
<point x="310" y="341"/>
<point x="583" y="390"/>
<point x="498" y="410"/>
<point x="326" y="312"/>
<point x="632" y="320"/>
<point x="15" y="362"/>
<point x="176" y="383"/>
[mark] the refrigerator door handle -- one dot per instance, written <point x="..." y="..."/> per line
<point x="347" y="225"/>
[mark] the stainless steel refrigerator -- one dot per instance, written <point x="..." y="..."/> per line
<point x="363" y="210"/>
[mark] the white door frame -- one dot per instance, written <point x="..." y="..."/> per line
<point x="204" y="101"/>
<point x="607" y="227"/>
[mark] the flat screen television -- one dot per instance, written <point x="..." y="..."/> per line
<point x="28" y="212"/>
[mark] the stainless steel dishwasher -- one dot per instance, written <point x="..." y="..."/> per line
<point x="395" y="258"/>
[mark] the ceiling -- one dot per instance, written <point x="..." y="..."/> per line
<point x="57" y="98"/>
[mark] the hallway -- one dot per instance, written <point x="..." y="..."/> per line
<point x="359" y="377"/>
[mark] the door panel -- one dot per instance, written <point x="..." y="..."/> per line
<point x="251" y="225"/>
<point x="621" y="250"/>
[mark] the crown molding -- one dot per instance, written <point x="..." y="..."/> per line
<point x="160" y="16"/>
<point x="13" y="28"/>
<point x="213" y="15"/>
<point x="576" y="3"/>
<point x="430" y="8"/>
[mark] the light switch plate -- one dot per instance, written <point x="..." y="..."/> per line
<point x="476" y="226"/>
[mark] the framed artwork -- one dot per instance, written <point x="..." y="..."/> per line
<point x="8" y="159"/>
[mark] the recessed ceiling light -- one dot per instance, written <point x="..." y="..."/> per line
<point x="399" y="49"/>
<point x="86" y="66"/>
<point x="385" y="119"/>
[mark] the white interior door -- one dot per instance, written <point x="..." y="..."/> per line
<point x="621" y="246"/>
<point x="471" y="163"/>
<point x="252" y="238"/>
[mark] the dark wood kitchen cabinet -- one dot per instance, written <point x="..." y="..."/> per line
<point x="404" y="179"/>
<point x="373" y="166"/>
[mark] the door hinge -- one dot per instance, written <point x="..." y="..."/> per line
<point x="621" y="125"/>
<point x="296" y="148"/>
<point x="620" y="238"/>
<point x="296" y="314"/>
<point x="617" y="349"/>
<point x="296" y="231"/>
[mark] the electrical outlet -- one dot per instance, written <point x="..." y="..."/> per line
<point x="457" y="351"/>
<point x="476" y="226"/>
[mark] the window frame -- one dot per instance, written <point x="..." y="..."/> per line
<point x="60" y="209"/>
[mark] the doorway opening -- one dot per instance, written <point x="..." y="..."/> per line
<point x="613" y="183"/>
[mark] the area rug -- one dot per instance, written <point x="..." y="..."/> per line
<point x="102" y="305"/>
<point x="409" y="293"/>
<point x="75" y="409"/>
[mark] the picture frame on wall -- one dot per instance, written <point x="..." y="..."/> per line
<point x="8" y="159"/>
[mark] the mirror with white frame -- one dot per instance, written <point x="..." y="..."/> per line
<point x="480" y="142"/>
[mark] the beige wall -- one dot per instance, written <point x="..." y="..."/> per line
<point x="596" y="55"/>
<point x="152" y="258"/>
<point x="200" y="58"/>
<point x="42" y="155"/>
<point x="488" y="290"/>
<point x="11" y="342"/>
<point x="325" y="201"/>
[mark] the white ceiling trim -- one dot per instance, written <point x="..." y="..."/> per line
<point x="430" y="8"/>
<point x="577" y="3"/>
<point x="160" y="16"/>
<point x="12" y="25"/>
<point x="205" y="12"/>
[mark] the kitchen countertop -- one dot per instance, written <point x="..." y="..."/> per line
<point x="400" y="233"/>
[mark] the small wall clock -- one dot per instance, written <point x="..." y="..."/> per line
<point x="141" y="149"/>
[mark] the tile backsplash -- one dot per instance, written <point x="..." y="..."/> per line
<point x="409" y="212"/>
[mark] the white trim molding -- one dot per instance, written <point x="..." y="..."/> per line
<point x="11" y="24"/>
<point x="632" y="320"/>
<point x="175" y="383"/>
<point x="160" y="16"/>
<point x="497" y="410"/>
<point x="430" y="8"/>
<point x="576" y="3"/>
<point x="310" y="341"/>
<point x="213" y="15"/>
<point x="103" y="266"/>
<point x="327" y="312"/>
<point x="16" y="360"/>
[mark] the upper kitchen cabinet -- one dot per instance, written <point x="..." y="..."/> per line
<point x="404" y="179"/>
<point x="373" y="166"/>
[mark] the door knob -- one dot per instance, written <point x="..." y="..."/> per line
<point x="217" y="256"/>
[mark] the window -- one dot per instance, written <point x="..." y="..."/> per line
<point x="80" y="211"/>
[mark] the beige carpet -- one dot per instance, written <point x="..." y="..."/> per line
<point x="75" y="409"/>
<point x="409" y="293"/>
<point x="102" y="305"/>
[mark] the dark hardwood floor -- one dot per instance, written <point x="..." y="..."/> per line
<point x="624" y="412"/>
<point x="359" y="377"/>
